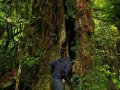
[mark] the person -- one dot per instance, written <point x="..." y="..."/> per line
<point x="61" y="70"/>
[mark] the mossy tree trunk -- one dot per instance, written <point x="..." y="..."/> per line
<point x="48" y="32"/>
<point x="84" y="26"/>
<point x="50" y="14"/>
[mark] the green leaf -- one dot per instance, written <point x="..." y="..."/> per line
<point x="114" y="80"/>
<point x="7" y="84"/>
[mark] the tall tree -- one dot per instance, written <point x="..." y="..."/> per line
<point x="84" y="27"/>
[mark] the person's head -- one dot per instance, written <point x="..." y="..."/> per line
<point x="64" y="53"/>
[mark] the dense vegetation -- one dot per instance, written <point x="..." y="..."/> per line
<point x="35" y="32"/>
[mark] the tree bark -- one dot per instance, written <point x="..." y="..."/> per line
<point x="53" y="35"/>
<point x="18" y="78"/>
<point x="61" y="23"/>
<point x="84" y="27"/>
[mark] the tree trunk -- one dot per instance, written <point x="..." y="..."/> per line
<point x="118" y="59"/>
<point x="18" y="77"/>
<point x="61" y="23"/>
<point x="52" y="37"/>
<point x="84" y="27"/>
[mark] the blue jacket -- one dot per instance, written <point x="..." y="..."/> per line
<point x="61" y="64"/>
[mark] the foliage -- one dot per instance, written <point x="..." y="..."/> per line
<point x="105" y="38"/>
<point x="114" y="14"/>
<point x="70" y="6"/>
<point x="107" y="11"/>
<point x="103" y="46"/>
<point x="22" y="38"/>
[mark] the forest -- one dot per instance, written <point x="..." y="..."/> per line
<point x="34" y="33"/>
